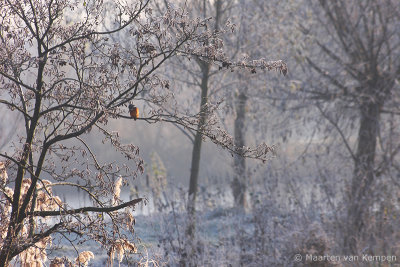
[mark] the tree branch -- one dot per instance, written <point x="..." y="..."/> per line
<point x="339" y="130"/>
<point x="36" y="238"/>
<point x="85" y="209"/>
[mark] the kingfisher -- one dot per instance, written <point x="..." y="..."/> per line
<point x="133" y="111"/>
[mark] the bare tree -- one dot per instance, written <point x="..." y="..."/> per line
<point x="354" y="81"/>
<point x="196" y="152"/>
<point x="207" y="76"/>
<point x="60" y="70"/>
<point x="261" y="26"/>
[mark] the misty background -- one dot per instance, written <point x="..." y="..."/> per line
<point x="331" y="184"/>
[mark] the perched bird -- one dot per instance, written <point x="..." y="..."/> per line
<point x="133" y="111"/>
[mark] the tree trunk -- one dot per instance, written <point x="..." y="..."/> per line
<point x="188" y="259"/>
<point x="363" y="177"/>
<point x="196" y="153"/>
<point x="239" y="184"/>
<point x="18" y="207"/>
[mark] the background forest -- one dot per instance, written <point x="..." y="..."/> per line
<point x="268" y="135"/>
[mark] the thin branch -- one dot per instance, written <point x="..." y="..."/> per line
<point x="346" y="143"/>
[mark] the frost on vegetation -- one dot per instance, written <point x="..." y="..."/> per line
<point x="67" y="76"/>
<point x="36" y="255"/>
<point x="117" y="190"/>
<point x="3" y="174"/>
<point x="84" y="258"/>
<point x="121" y="247"/>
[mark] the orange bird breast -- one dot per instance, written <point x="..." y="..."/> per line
<point x="134" y="112"/>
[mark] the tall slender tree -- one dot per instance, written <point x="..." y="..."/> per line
<point x="196" y="152"/>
